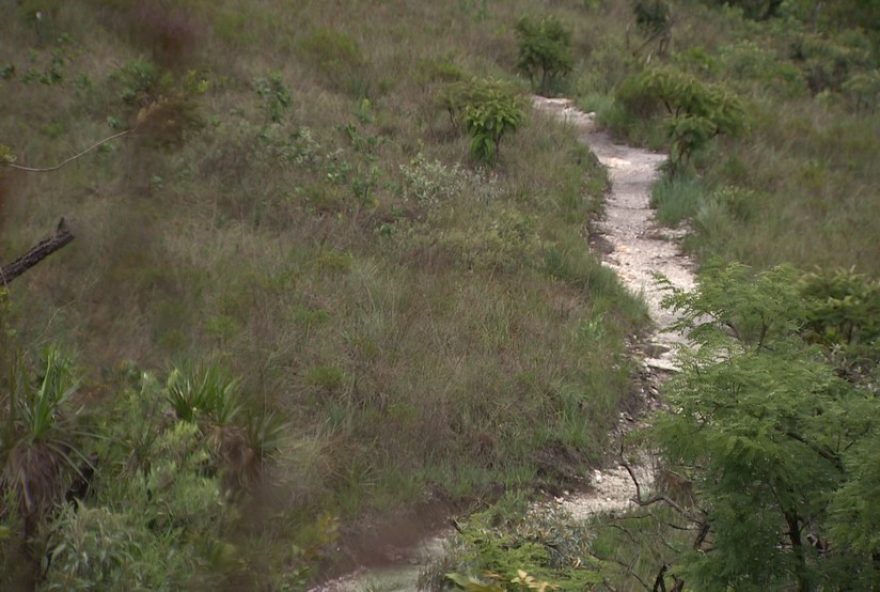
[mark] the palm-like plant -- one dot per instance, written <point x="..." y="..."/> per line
<point x="39" y="452"/>
<point x="203" y="394"/>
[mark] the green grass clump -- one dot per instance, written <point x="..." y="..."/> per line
<point x="677" y="199"/>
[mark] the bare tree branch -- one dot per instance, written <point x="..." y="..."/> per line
<point x="43" y="249"/>
<point x="69" y="160"/>
<point x="628" y="568"/>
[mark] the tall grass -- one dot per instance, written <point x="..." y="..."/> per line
<point x="302" y="212"/>
<point x="807" y="155"/>
<point x="677" y="198"/>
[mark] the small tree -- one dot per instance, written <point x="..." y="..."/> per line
<point x="544" y="51"/>
<point x="773" y="440"/>
<point x="488" y="110"/>
<point x="697" y="112"/>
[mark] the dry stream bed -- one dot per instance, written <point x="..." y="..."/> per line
<point x="640" y="249"/>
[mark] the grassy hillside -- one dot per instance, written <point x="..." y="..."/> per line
<point x="770" y="113"/>
<point x="798" y="183"/>
<point x="293" y="207"/>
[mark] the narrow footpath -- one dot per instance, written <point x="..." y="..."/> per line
<point x="640" y="250"/>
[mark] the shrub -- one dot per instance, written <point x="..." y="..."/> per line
<point x="652" y="16"/>
<point x="438" y="70"/>
<point x="142" y="82"/>
<point x="547" y="550"/>
<point x="160" y="524"/>
<point x="828" y="63"/>
<point x="431" y="182"/>
<point x="863" y="90"/>
<point x="544" y="51"/>
<point x="696" y="111"/>
<point x="843" y="312"/>
<point x="488" y="110"/>
<point x="162" y="108"/>
<point x="99" y="549"/>
<point x="275" y="95"/>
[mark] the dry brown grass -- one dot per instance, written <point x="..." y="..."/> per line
<point x="412" y="346"/>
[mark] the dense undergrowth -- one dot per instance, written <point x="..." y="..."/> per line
<point x="295" y="207"/>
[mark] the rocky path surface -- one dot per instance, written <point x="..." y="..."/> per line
<point x="640" y="249"/>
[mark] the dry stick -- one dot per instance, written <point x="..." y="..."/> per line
<point x="69" y="160"/>
<point x="628" y="568"/>
<point x="43" y="249"/>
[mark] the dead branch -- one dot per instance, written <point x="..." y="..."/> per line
<point x="43" y="249"/>
<point x="656" y="499"/>
<point x="628" y="568"/>
<point x="660" y="581"/>
<point x="68" y="160"/>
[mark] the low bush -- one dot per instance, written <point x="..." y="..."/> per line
<point x="828" y="62"/>
<point x="863" y="91"/>
<point x="487" y="110"/>
<point x="695" y="112"/>
<point x="275" y="96"/>
<point x="544" y="52"/>
<point x="511" y="549"/>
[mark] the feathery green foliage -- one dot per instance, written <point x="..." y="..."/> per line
<point x="769" y="433"/>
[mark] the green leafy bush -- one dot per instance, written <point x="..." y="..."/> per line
<point x="696" y="112"/>
<point x="97" y="548"/>
<point x="142" y="82"/>
<point x="275" y="95"/>
<point x="843" y="312"/>
<point x="544" y="51"/>
<point x="487" y="110"/>
<point x="159" y="530"/>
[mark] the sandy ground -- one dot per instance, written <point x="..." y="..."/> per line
<point x="641" y="249"/>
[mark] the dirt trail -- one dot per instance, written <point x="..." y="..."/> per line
<point x="640" y="250"/>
